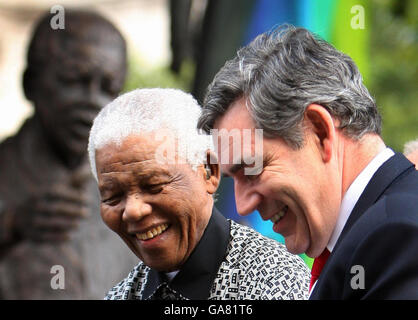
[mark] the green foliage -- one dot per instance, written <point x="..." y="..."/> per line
<point x="394" y="69"/>
<point x="142" y="76"/>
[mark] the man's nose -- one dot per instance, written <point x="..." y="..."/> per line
<point x="95" y="94"/>
<point x="136" y="208"/>
<point x="246" y="199"/>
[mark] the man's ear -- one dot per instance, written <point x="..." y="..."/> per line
<point x="213" y="173"/>
<point x="322" y="127"/>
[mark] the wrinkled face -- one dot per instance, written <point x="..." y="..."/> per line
<point x="413" y="157"/>
<point x="159" y="210"/>
<point x="293" y="188"/>
<point x="73" y="88"/>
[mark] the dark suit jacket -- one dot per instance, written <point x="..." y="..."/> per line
<point x="379" y="243"/>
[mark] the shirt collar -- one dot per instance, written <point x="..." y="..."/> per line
<point x="354" y="192"/>
<point x="195" y="278"/>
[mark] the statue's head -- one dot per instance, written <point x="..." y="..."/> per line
<point x="71" y="74"/>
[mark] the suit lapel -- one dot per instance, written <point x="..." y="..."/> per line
<point x="387" y="174"/>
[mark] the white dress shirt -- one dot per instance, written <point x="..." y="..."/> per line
<point x="354" y="192"/>
<point x="352" y="195"/>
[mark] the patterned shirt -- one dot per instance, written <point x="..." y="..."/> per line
<point x="230" y="262"/>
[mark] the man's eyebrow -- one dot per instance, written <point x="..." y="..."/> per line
<point x="108" y="184"/>
<point x="225" y="175"/>
<point x="234" y="169"/>
<point x="153" y="173"/>
<point x="238" y="166"/>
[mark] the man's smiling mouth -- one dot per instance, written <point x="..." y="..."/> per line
<point x="152" y="233"/>
<point x="279" y="215"/>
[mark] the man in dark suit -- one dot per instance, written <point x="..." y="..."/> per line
<point x="320" y="171"/>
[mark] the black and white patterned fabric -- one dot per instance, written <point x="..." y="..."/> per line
<point x="251" y="267"/>
<point x="257" y="267"/>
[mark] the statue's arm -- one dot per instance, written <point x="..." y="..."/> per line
<point x="8" y="236"/>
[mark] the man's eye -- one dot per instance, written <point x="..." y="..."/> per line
<point x="252" y="177"/>
<point x="251" y="173"/>
<point x="113" y="200"/>
<point x="153" y="188"/>
<point x="110" y="86"/>
<point x="68" y="79"/>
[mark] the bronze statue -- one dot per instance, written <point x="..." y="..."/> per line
<point x="48" y="200"/>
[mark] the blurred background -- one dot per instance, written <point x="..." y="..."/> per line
<point x="183" y="43"/>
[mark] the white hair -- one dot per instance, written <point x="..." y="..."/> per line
<point x="410" y="147"/>
<point x="147" y="111"/>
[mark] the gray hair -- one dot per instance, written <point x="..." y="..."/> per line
<point x="150" y="110"/>
<point x="410" y="147"/>
<point x="280" y="74"/>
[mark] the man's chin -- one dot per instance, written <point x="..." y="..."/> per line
<point x="157" y="264"/>
<point x="294" y="247"/>
<point x="314" y="251"/>
<point x="73" y="153"/>
<point x="77" y="148"/>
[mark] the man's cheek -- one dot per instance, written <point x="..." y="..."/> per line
<point x="108" y="219"/>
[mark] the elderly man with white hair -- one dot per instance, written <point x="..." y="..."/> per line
<point x="411" y="151"/>
<point x="157" y="183"/>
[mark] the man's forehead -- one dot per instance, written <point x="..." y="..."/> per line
<point x="128" y="167"/>
<point x="235" y="129"/>
<point x="102" y="56"/>
<point x="145" y="151"/>
<point x="144" y="169"/>
<point x="134" y="148"/>
<point x="237" y="149"/>
<point x="110" y="177"/>
<point x="236" y="143"/>
<point x="236" y="116"/>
